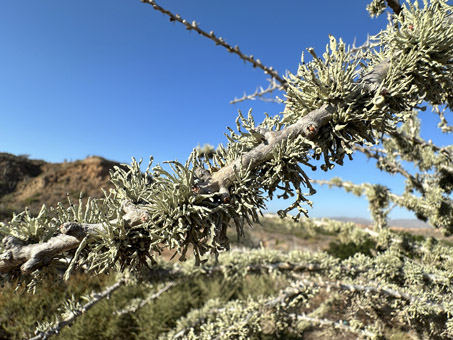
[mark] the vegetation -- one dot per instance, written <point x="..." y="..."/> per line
<point x="369" y="283"/>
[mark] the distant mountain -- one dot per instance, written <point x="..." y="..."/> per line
<point x="405" y="223"/>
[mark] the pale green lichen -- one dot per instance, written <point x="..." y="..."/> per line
<point x="376" y="7"/>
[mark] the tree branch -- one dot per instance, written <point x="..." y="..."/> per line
<point x="371" y="289"/>
<point x="30" y="257"/>
<point x="144" y="302"/>
<point x="260" y="93"/>
<point x="86" y="307"/>
<point x="219" y="41"/>
<point x="307" y="126"/>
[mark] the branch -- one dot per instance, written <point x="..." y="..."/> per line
<point x="260" y="93"/>
<point x="86" y="307"/>
<point x="391" y="168"/>
<point x="144" y="302"/>
<point x="30" y="257"/>
<point x="308" y="126"/>
<point x="33" y="256"/>
<point x="371" y="289"/>
<point x="219" y="41"/>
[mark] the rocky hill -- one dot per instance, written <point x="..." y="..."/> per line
<point x="30" y="183"/>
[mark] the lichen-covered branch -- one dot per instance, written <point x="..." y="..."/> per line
<point x="434" y="206"/>
<point x="219" y="182"/>
<point x="369" y="289"/>
<point x="307" y="127"/>
<point x="30" y="257"/>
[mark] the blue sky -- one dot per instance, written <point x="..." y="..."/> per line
<point x="116" y="79"/>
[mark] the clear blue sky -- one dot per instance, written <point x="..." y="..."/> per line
<point x="116" y="79"/>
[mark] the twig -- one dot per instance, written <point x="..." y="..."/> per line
<point x="134" y="309"/>
<point x="86" y="307"/>
<point x="369" y="289"/>
<point x="219" y="41"/>
<point x="366" y="45"/>
<point x="391" y="168"/>
<point x="260" y="93"/>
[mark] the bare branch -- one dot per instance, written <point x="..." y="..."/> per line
<point x="219" y="41"/>
<point x="144" y="302"/>
<point x="260" y="93"/>
<point x="86" y="307"/>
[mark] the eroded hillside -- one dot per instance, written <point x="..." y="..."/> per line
<point x="30" y="183"/>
